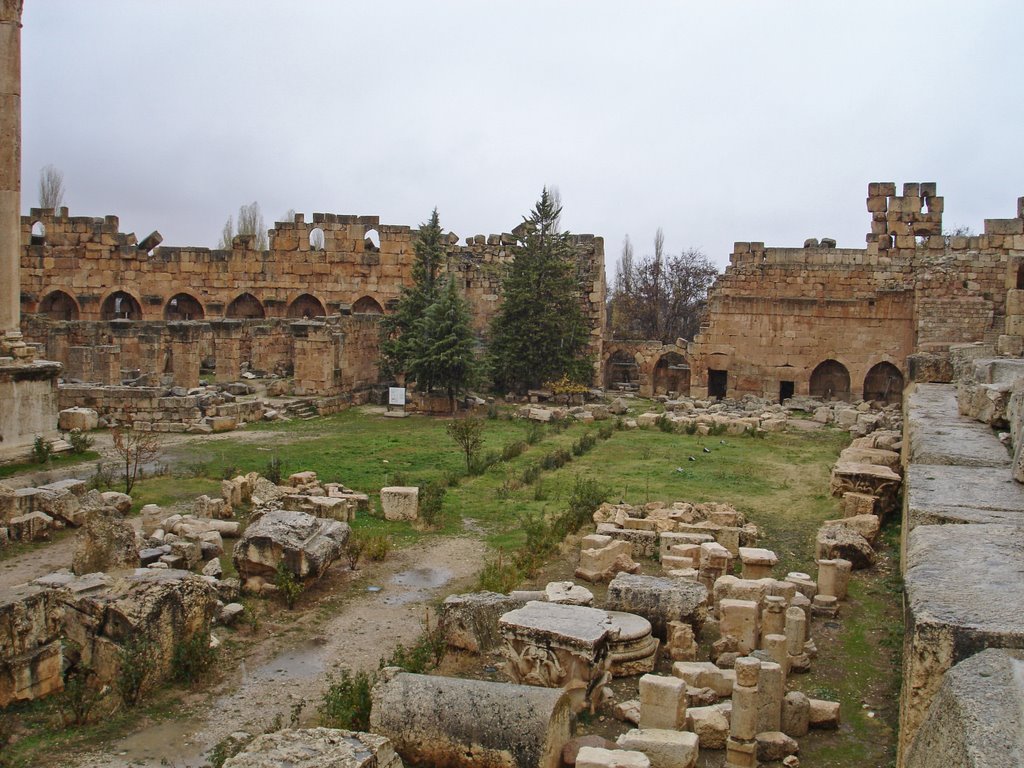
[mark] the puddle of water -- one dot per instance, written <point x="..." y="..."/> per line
<point x="167" y="743"/>
<point x="305" y="660"/>
<point x="422" y="578"/>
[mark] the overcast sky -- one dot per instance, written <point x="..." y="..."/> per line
<point x="718" y="121"/>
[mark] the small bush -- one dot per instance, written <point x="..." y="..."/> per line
<point x="192" y="658"/>
<point x="607" y="430"/>
<point x="512" y="450"/>
<point x="229" y="471"/>
<point x="42" y="451"/>
<point x="717" y="429"/>
<point x="423" y="655"/>
<point x="346" y="702"/>
<point x="557" y="459"/>
<point x="133" y="673"/>
<point x="251" y="612"/>
<point x="452" y="477"/>
<point x="274" y="470"/>
<point x="539" y="491"/>
<point x="81" y="691"/>
<point x="584" y="498"/>
<point x="80" y="441"/>
<point x="353" y="550"/>
<point x="195" y="469"/>
<point x="492" y="410"/>
<point x="665" y="424"/>
<point x="498" y="575"/>
<point x="399" y="477"/>
<point x="378" y="546"/>
<point x="690" y="428"/>
<point x="530" y="473"/>
<point x="102" y="478"/>
<point x="432" y="503"/>
<point x="534" y="432"/>
<point x="585" y="442"/>
<point x="227" y="748"/>
<point x="287" y="585"/>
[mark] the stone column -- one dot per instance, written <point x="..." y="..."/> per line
<point x="740" y="748"/>
<point x="185" y="356"/>
<point x="10" y="168"/>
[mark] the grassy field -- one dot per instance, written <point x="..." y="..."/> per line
<point x="780" y="481"/>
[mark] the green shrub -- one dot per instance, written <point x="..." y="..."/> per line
<point x="665" y="424"/>
<point x="607" y="430"/>
<point x="530" y="473"/>
<point x="378" y="546"/>
<point x="42" y="451"/>
<point x="346" y="702"/>
<point x="512" y="450"/>
<point x="81" y="691"/>
<point x="229" y="471"/>
<point x="353" y="550"/>
<point x="717" y="429"/>
<point x="534" y="432"/>
<point x="492" y="410"/>
<point x="452" y="477"/>
<point x="557" y="459"/>
<point x="80" y="441"/>
<point x="423" y="655"/>
<point x="584" y="499"/>
<point x="585" y="442"/>
<point x="192" y="658"/>
<point x="432" y="503"/>
<point x="539" y="492"/>
<point x="691" y="427"/>
<point x="133" y="669"/>
<point x="274" y="470"/>
<point x="498" y="575"/>
<point x="287" y="585"/>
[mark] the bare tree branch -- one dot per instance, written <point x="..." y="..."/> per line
<point x="51" y="187"/>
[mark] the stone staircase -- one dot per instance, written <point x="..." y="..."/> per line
<point x="304" y="409"/>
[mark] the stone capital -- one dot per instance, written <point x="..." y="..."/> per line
<point x="10" y="11"/>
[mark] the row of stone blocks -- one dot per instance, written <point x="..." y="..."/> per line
<point x="962" y="699"/>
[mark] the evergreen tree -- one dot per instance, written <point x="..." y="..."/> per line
<point x="539" y="333"/>
<point x="443" y="356"/>
<point x="399" y="328"/>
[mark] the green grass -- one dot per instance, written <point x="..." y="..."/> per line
<point x="58" y="461"/>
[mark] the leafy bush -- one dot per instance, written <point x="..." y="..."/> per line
<point x="80" y="441"/>
<point x="229" y="471"/>
<point x="690" y="428"/>
<point x="81" y="692"/>
<point x="557" y="459"/>
<point x="346" y="702"/>
<point x="512" y="450"/>
<point x="492" y="410"/>
<point x="378" y="546"/>
<point x="530" y="473"/>
<point x="452" y="477"/>
<point x="287" y="585"/>
<point x="498" y="575"/>
<point x="274" y="470"/>
<point x="585" y="442"/>
<point x="584" y="499"/>
<point x="192" y="658"/>
<point x="432" y="503"/>
<point x="423" y="655"/>
<point x="717" y="429"/>
<point x="539" y="492"/>
<point x="102" y="477"/>
<point x="42" y="451"/>
<point x="607" y="430"/>
<point x="353" y="549"/>
<point x="534" y="432"/>
<point x="665" y="424"/>
<point x="468" y="434"/>
<point x="133" y="669"/>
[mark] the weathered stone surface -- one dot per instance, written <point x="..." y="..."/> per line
<point x="400" y="502"/>
<point x="796" y="713"/>
<point x="31" y="622"/>
<point x="823" y="714"/>
<point x="316" y="748"/>
<point x="842" y="542"/>
<point x="595" y="757"/>
<point x="977" y="716"/>
<point x="307" y="545"/>
<point x="105" y="543"/>
<point x="31" y="527"/>
<point x="659" y="600"/>
<point x="870" y="479"/>
<point x="711" y="724"/>
<point x="775" y="745"/>
<point x="122" y="502"/>
<point x="949" y="494"/>
<point x="471" y="723"/>
<point x="83" y="419"/>
<point x="867" y="526"/>
<point x="956" y="606"/>
<point x="937" y="435"/>
<point x="632" y="649"/>
<point x="568" y="593"/>
<point x="599" y="564"/>
<point x="470" y="621"/>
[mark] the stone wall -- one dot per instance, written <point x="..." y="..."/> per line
<point x="841" y="322"/>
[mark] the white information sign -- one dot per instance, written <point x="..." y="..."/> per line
<point x="396" y="395"/>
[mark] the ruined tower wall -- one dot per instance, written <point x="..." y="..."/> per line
<point x="776" y="314"/>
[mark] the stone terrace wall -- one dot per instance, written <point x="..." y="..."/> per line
<point x="776" y="314"/>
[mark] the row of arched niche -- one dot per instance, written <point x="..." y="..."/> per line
<point x="121" y="305"/>
<point x="830" y="379"/>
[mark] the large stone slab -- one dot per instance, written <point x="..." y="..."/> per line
<point x="935" y="494"/>
<point x="316" y="748"/>
<point x="30" y="649"/>
<point x="471" y="723"/>
<point x="962" y="595"/>
<point x="470" y="621"/>
<point x="307" y="545"/>
<point x="976" y="719"/>
<point x="659" y="600"/>
<point x="935" y="433"/>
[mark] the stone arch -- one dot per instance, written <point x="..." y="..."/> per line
<point x="884" y="383"/>
<point x="38" y="233"/>
<point x="305" y="306"/>
<point x="246" y="306"/>
<point x="621" y="371"/>
<point x="671" y="373"/>
<point x="371" y="240"/>
<point x="830" y="380"/>
<point x="184" y="306"/>
<point x="120" y="305"/>
<point x="367" y="305"/>
<point x="316" y="239"/>
<point x="59" y="305"/>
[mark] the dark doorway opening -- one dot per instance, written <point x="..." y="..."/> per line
<point x="718" y="384"/>
<point x="786" y="390"/>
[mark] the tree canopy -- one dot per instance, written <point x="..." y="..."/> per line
<point x="443" y="356"/>
<point x="539" y="333"/>
<point x="660" y="297"/>
<point x="399" y="329"/>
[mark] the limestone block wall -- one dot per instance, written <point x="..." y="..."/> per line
<point x="812" y="316"/>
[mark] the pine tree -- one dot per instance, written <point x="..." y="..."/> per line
<point x="399" y="328"/>
<point x="539" y="333"/>
<point x="443" y="357"/>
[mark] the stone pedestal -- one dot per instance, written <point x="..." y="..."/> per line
<point x="185" y="352"/>
<point x="227" y="345"/>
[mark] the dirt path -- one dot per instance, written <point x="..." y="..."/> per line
<point x="291" y="665"/>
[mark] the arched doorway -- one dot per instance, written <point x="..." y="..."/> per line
<point x="830" y="381"/>
<point x="58" y="305"/>
<point x="182" y="306"/>
<point x="120" y="306"/>
<point x="306" y="306"/>
<point x="621" y="372"/>
<point x="367" y="305"/>
<point x="884" y="383"/>
<point x="671" y="374"/>
<point x="246" y="307"/>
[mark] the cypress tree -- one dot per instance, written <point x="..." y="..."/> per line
<point x="443" y="357"/>
<point x="398" y="330"/>
<point x="539" y="333"/>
